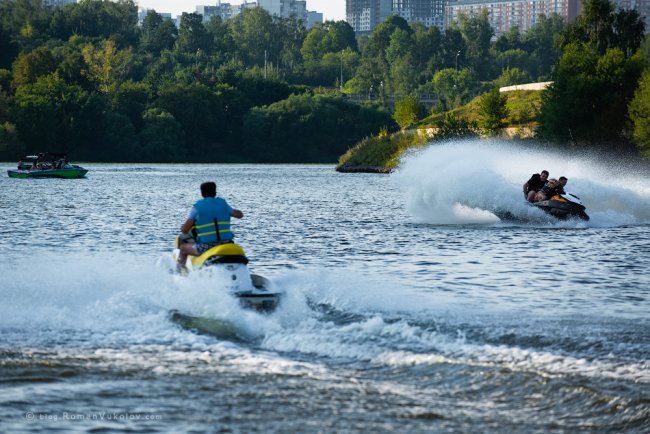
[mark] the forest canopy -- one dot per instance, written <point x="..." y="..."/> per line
<point x="89" y="80"/>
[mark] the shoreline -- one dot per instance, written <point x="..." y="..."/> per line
<point x="364" y="169"/>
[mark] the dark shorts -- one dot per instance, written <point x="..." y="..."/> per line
<point x="202" y="247"/>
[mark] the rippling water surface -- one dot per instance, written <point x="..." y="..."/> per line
<point x="410" y="307"/>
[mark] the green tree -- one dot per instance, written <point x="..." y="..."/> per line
<point x="116" y="139"/>
<point x="595" y="78"/>
<point x="200" y="113"/>
<point x="454" y="126"/>
<point x="639" y="111"/>
<point x="329" y="37"/>
<point x="106" y="66"/>
<point x="426" y="51"/>
<point x="157" y="34"/>
<point x="511" y="77"/>
<point x="477" y="33"/>
<point x="192" y="35"/>
<point x="25" y="22"/>
<point x="98" y="18"/>
<point x="30" y="66"/>
<point x="541" y="41"/>
<point x="454" y="50"/>
<point x="131" y="100"/>
<point x="254" y="34"/>
<point x="161" y="139"/>
<point x="492" y="110"/>
<point x="602" y="27"/>
<point x="374" y="69"/>
<point x="306" y="128"/>
<point x="453" y="88"/>
<point x="44" y="112"/>
<point x="7" y="48"/>
<point x="407" y="111"/>
<point x="222" y="41"/>
<point x="587" y="102"/>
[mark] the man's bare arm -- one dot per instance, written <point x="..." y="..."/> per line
<point x="187" y="226"/>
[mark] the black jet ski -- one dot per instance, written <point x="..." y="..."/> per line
<point x="563" y="206"/>
<point x="228" y="263"/>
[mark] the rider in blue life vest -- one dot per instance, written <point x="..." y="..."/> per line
<point x="209" y="222"/>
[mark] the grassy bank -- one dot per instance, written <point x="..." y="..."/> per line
<point x="382" y="153"/>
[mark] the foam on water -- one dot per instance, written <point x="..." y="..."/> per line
<point x="466" y="181"/>
<point x="119" y="310"/>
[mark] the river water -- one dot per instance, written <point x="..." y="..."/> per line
<point x="409" y="307"/>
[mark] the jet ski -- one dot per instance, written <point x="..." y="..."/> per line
<point x="563" y="206"/>
<point x="228" y="263"/>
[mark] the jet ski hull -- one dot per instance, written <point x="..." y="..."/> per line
<point x="562" y="209"/>
<point x="228" y="264"/>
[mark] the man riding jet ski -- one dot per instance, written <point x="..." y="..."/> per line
<point x="211" y="244"/>
<point x="555" y="201"/>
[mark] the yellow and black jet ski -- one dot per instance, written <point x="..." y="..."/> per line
<point x="228" y="263"/>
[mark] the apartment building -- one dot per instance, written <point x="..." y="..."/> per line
<point x="279" y="8"/>
<point x="428" y="12"/>
<point x="364" y="15"/>
<point x="504" y="14"/>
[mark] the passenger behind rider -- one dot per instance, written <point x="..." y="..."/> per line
<point x="552" y="188"/>
<point x="209" y="222"/>
<point x="535" y="184"/>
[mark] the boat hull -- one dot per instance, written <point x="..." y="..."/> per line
<point x="53" y="173"/>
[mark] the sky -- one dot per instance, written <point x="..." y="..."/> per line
<point x="331" y="9"/>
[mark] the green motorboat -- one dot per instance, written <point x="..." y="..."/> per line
<point x="47" y="165"/>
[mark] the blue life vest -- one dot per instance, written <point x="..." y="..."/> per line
<point x="212" y="223"/>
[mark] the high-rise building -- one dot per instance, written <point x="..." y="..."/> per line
<point x="285" y="8"/>
<point x="314" y="18"/>
<point x="365" y="15"/>
<point x="223" y="10"/>
<point x="428" y="12"/>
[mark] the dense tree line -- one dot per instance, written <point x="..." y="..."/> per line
<point x="87" y="79"/>
<point x="595" y="78"/>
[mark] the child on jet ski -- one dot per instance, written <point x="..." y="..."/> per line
<point x="209" y="221"/>
<point x="552" y="188"/>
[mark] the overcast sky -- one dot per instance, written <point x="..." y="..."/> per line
<point x="331" y="9"/>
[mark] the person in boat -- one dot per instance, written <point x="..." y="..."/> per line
<point x="209" y="223"/>
<point x="535" y="184"/>
<point x="20" y="165"/>
<point x="552" y="188"/>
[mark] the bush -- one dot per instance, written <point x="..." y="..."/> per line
<point x="309" y="129"/>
